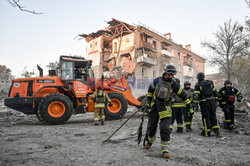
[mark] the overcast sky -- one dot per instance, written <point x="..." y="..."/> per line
<point x="27" y="39"/>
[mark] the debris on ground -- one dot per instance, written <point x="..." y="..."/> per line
<point x="25" y="141"/>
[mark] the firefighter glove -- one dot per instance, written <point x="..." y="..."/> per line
<point x="110" y="104"/>
<point x="148" y="105"/>
<point x="191" y="111"/>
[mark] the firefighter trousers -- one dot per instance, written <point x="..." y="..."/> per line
<point x="187" y="118"/>
<point x="99" y="115"/>
<point x="177" y="113"/>
<point x="209" y="120"/>
<point x="162" y="113"/>
<point x="228" y="110"/>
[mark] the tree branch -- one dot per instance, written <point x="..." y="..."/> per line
<point x="15" y="3"/>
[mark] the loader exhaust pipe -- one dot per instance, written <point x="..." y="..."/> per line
<point x="40" y="70"/>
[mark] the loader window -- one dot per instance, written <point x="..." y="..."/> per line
<point x="67" y="70"/>
<point x="91" y="74"/>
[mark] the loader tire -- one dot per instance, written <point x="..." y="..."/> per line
<point x="55" y="109"/>
<point x="39" y="118"/>
<point x="119" y="108"/>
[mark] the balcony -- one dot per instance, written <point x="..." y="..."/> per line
<point x="146" y="60"/>
<point x="188" y="71"/>
<point x="188" y="61"/>
<point x="167" y="53"/>
<point x="145" y="44"/>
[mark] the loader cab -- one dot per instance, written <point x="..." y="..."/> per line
<point x="76" y="68"/>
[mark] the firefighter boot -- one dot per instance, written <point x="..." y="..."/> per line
<point x="188" y="128"/>
<point x="179" y="130"/>
<point x="203" y="133"/>
<point x="164" y="149"/>
<point x="102" y="122"/>
<point x="231" y="127"/>
<point x="96" y="123"/>
<point x="226" y="125"/>
<point x="166" y="155"/>
<point x="217" y="132"/>
<point x="148" y="145"/>
<point x="149" y="142"/>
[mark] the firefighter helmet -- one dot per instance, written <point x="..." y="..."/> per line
<point x="200" y="76"/>
<point x="227" y="82"/>
<point x="187" y="83"/>
<point x="170" y="69"/>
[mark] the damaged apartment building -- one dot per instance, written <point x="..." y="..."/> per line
<point x="139" y="53"/>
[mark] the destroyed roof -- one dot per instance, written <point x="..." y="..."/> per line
<point x="93" y="35"/>
<point x="124" y="26"/>
<point x="115" y="29"/>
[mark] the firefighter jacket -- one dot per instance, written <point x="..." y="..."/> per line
<point x="204" y="90"/>
<point x="100" y="97"/>
<point x="227" y="95"/>
<point x="174" y="87"/>
<point x="190" y="93"/>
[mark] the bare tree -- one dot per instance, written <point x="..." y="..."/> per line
<point x="53" y="65"/>
<point x="231" y="44"/>
<point x="26" y="73"/>
<point x="16" y="3"/>
<point x="5" y="81"/>
<point x="248" y="17"/>
<point x="5" y="73"/>
<point x="248" y="3"/>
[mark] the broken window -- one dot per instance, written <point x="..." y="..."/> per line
<point x="107" y="45"/>
<point x="188" y="60"/>
<point x="154" y="45"/>
<point x="141" y="35"/>
<point x="164" y="48"/>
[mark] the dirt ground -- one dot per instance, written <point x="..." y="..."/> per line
<point x="25" y="141"/>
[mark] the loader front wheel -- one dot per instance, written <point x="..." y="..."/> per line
<point x="55" y="109"/>
<point x="119" y="108"/>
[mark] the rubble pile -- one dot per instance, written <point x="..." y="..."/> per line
<point x="3" y="94"/>
<point x="9" y="117"/>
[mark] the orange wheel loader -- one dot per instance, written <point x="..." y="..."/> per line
<point x="54" y="98"/>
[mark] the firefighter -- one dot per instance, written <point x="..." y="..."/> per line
<point x="205" y="94"/>
<point x="158" y="103"/>
<point x="226" y="98"/>
<point x="187" y="117"/>
<point x="78" y="72"/>
<point x="177" y="111"/>
<point x="100" y="98"/>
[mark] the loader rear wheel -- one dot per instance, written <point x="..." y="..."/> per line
<point x="55" y="109"/>
<point x="119" y="108"/>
